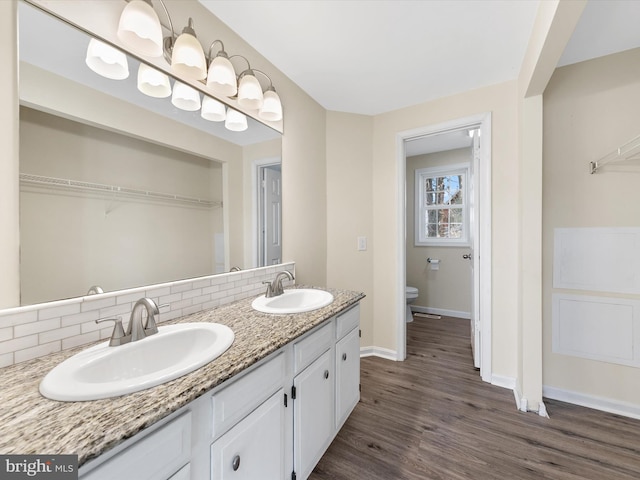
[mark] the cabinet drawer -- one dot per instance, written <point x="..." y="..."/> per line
<point x="347" y="321"/>
<point x="156" y="456"/>
<point x="254" y="448"/>
<point x="311" y="347"/>
<point x="233" y="403"/>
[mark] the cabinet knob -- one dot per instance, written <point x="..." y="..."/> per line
<point x="326" y="374"/>
<point x="344" y="356"/>
<point x="235" y="463"/>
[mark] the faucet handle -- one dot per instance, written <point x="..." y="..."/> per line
<point x="269" y="292"/>
<point x="118" y="336"/>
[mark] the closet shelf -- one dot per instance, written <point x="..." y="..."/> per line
<point x="628" y="151"/>
<point x="29" y="179"/>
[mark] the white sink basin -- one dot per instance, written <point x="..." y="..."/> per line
<point x="103" y="371"/>
<point x="293" y="301"/>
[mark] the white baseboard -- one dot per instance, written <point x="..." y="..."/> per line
<point x="626" y="409"/>
<point x="503" y="381"/>
<point x="440" y="311"/>
<point x="379" y="352"/>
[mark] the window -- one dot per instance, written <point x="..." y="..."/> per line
<point x="442" y="205"/>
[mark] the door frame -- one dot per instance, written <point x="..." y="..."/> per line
<point x="482" y="229"/>
<point x="256" y="170"/>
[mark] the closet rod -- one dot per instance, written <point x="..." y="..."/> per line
<point x="628" y="151"/>
<point x="28" y="178"/>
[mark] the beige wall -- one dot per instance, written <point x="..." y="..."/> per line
<point x="449" y="287"/>
<point x="590" y="109"/>
<point x="349" y="193"/>
<point x="9" y="233"/>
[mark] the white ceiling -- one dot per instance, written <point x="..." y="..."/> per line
<point x="370" y="57"/>
<point x="373" y="56"/>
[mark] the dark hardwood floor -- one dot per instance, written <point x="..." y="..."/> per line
<point x="431" y="417"/>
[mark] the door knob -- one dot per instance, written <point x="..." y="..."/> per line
<point x="467" y="256"/>
<point x="235" y="463"/>
<point x="326" y="374"/>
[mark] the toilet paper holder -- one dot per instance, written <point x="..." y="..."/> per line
<point x="434" y="260"/>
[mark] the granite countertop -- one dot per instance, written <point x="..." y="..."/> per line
<point x="32" y="424"/>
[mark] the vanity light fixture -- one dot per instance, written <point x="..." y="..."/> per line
<point x="185" y="97"/>
<point x="250" y="94"/>
<point x="236" y="121"/>
<point x="152" y="82"/>
<point x="213" y="110"/>
<point x="187" y="56"/>
<point x="139" y="28"/>
<point x="221" y="77"/>
<point x="106" y="61"/>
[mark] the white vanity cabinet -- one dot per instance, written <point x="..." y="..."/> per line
<point x="313" y="393"/>
<point x="273" y="421"/>
<point x="347" y="365"/>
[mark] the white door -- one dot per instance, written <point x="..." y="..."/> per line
<point x="271" y="216"/>
<point x="473" y="257"/>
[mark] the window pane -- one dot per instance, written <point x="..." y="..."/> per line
<point x="455" y="230"/>
<point x="430" y="198"/>
<point x="432" y="216"/>
<point x="456" y="215"/>
<point x="432" y="230"/>
<point x="430" y="184"/>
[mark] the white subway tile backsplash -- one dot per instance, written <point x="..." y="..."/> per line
<point x="202" y="283"/>
<point x="78" y="318"/>
<point x="39" y="351"/>
<point x="59" y="311"/>
<point x="117" y="310"/>
<point x="192" y="293"/>
<point x="19" y="318"/>
<point x="18" y="344"/>
<point x="58" y="334"/>
<point x="182" y="287"/>
<point x="78" y="340"/>
<point x="37" y="330"/>
<point x="6" y="360"/>
<point x="6" y="334"/>
<point x="36" y="327"/>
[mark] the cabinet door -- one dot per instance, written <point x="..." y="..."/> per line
<point x="313" y="413"/>
<point x="254" y="448"/>
<point x="347" y="375"/>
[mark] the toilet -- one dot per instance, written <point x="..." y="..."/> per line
<point x="411" y="293"/>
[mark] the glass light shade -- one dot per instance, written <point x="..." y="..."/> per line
<point x="139" y="29"/>
<point x="106" y="61"/>
<point x="153" y="83"/>
<point x="236" y="121"/>
<point x="250" y="92"/>
<point x="222" y="77"/>
<point x="271" y="108"/>
<point x="213" y="110"/>
<point x="188" y="58"/>
<point x="185" y="97"/>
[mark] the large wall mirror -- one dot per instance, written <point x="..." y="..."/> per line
<point x="119" y="189"/>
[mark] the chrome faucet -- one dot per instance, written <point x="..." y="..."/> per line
<point x="275" y="288"/>
<point x="95" y="289"/>
<point x="136" y="330"/>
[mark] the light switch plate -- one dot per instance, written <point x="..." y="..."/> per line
<point x="362" y="244"/>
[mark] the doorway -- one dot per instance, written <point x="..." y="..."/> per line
<point x="268" y="217"/>
<point x="479" y="241"/>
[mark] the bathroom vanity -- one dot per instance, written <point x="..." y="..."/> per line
<point x="267" y="408"/>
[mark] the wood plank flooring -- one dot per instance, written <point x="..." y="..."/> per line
<point x="431" y="417"/>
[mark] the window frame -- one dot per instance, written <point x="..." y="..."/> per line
<point x="421" y="174"/>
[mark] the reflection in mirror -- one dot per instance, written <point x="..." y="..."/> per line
<point x="119" y="189"/>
